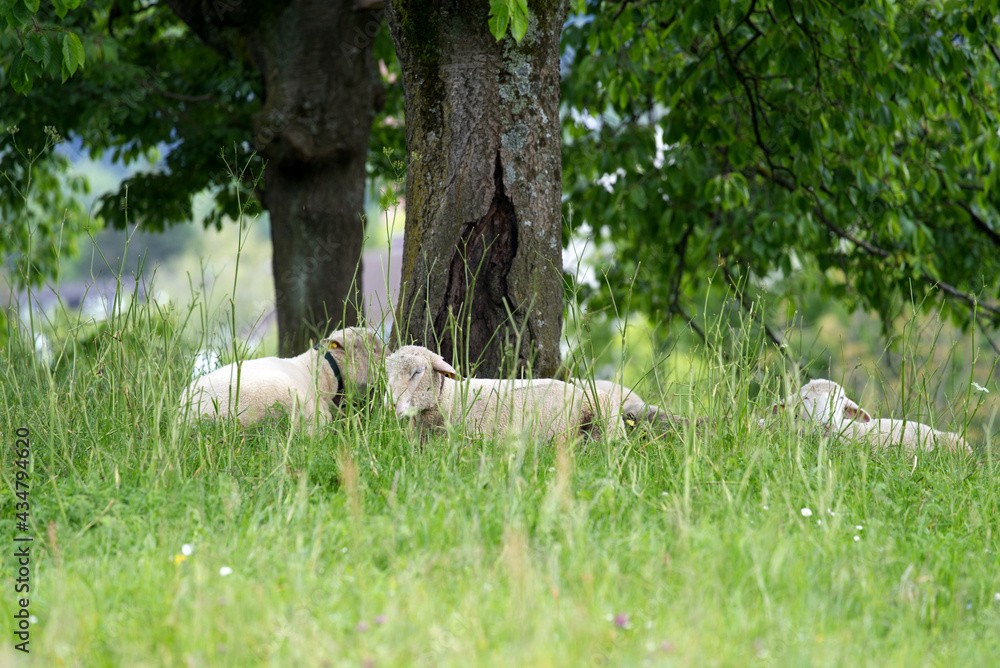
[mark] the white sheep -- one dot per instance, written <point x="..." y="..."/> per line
<point x="423" y="386"/>
<point x="633" y="408"/>
<point x="311" y="383"/>
<point x="885" y="433"/>
<point x="825" y="403"/>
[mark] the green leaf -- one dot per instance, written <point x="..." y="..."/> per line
<point x="72" y="50"/>
<point x="34" y="46"/>
<point x="20" y="80"/>
<point x="638" y="197"/>
<point x="18" y="16"/>
<point x="31" y="5"/>
<point x="499" y="18"/>
<point x="519" y="23"/>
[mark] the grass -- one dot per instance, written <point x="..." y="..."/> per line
<point x="357" y="547"/>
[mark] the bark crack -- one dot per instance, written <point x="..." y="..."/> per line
<point x="476" y="300"/>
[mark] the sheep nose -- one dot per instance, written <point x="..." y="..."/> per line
<point x="392" y="404"/>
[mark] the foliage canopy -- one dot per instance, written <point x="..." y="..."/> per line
<point x="150" y="88"/>
<point x="779" y="144"/>
<point x="845" y="148"/>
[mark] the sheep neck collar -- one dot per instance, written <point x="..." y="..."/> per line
<point x="338" y="396"/>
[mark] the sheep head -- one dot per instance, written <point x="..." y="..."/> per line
<point x="414" y="376"/>
<point x="825" y="402"/>
<point x="356" y="347"/>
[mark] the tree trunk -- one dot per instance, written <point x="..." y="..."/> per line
<point x="482" y="256"/>
<point x="321" y="91"/>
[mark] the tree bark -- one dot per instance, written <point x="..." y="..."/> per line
<point x="321" y="91"/>
<point x="482" y="253"/>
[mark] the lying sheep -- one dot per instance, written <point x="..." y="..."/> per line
<point x="633" y="409"/>
<point x="422" y="385"/>
<point x="825" y="403"/>
<point x="885" y="433"/>
<point x="309" y="384"/>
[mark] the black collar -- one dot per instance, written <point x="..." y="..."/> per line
<point x="338" y="396"/>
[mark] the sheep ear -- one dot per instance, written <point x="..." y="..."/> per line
<point x="777" y="407"/>
<point x="443" y="368"/>
<point x="854" y="412"/>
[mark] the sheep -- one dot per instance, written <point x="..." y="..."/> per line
<point x="633" y="409"/>
<point x="885" y="433"/>
<point x="825" y="403"/>
<point x="424" y="387"/>
<point x="307" y="385"/>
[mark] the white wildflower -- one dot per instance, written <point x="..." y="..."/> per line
<point x="806" y="512"/>
<point x="187" y="549"/>
<point x="979" y="388"/>
<point x="225" y="570"/>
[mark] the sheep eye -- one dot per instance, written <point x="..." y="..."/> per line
<point x="416" y="373"/>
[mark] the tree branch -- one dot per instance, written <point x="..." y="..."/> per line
<point x="746" y="89"/>
<point x="978" y="222"/>
<point x="620" y="10"/>
<point x="844" y="234"/>
<point x="812" y="42"/>
<point x="993" y="50"/>
<point x="985" y="333"/>
<point x="194" y="14"/>
<point x="958" y="294"/>
<point x="690" y="321"/>
<point x="875" y="250"/>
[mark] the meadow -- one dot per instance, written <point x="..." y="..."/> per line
<point x="161" y="545"/>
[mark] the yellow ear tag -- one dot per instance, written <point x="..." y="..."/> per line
<point x="630" y="422"/>
<point x="334" y="344"/>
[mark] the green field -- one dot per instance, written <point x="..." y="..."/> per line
<point x="727" y="546"/>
